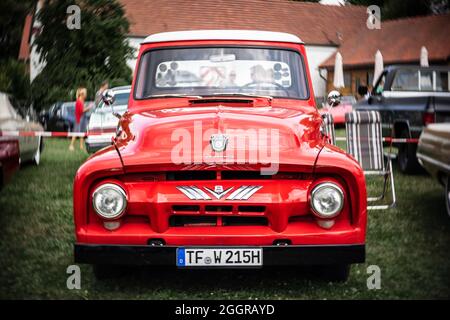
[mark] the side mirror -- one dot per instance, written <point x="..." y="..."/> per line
<point x="108" y="97"/>
<point x="334" y="98"/>
<point x="362" y="90"/>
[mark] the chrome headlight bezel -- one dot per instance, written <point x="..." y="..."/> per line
<point x="122" y="193"/>
<point x="334" y="187"/>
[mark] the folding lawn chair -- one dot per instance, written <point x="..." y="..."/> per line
<point x="329" y="127"/>
<point x="365" y="144"/>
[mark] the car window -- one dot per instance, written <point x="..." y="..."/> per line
<point x="421" y="80"/>
<point x="426" y="80"/>
<point x="406" y="80"/>
<point x="379" y="86"/>
<point x="121" y="99"/>
<point x="208" y="71"/>
<point x="442" y="81"/>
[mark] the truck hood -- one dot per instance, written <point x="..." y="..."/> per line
<point x="256" y="137"/>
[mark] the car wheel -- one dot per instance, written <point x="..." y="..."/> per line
<point x="447" y="195"/>
<point x="336" y="273"/>
<point x="37" y="155"/>
<point x="103" y="272"/>
<point x="407" y="159"/>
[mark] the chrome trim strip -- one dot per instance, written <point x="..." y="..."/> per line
<point x="186" y="193"/>
<point x="202" y="193"/>
<point x="195" y="193"/>
<point x="237" y="192"/>
<point x="250" y="192"/>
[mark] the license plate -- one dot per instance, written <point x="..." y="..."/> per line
<point x="219" y="257"/>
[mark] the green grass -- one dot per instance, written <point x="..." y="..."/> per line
<point x="409" y="243"/>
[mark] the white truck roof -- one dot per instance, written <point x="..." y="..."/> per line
<point x="223" y="35"/>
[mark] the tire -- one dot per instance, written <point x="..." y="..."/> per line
<point x="336" y="273"/>
<point x="103" y="272"/>
<point x="447" y="195"/>
<point x="37" y="155"/>
<point x="407" y="159"/>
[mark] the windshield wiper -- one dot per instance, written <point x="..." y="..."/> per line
<point x="270" y="98"/>
<point x="173" y="95"/>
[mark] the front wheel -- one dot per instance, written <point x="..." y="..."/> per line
<point x="407" y="159"/>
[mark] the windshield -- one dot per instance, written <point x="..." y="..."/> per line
<point x="121" y="99"/>
<point x="211" y="71"/>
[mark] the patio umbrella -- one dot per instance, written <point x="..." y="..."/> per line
<point x="424" y="57"/>
<point x="378" y="66"/>
<point x="338" y="81"/>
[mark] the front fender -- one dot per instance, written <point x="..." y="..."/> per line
<point x="333" y="161"/>
<point x="105" y="163"/>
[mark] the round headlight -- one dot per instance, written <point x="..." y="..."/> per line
<point x="109" y="201"/>
<point x="327" y="200"/>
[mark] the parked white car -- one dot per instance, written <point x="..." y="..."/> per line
<point x="15" y="118"/>
<point x="103" y="123"/>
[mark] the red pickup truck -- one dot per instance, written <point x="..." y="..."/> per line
<point x="220" y="161"/>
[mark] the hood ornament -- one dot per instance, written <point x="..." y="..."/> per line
<point x="218" y="142"/>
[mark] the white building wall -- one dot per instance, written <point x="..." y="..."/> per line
<point x="36" y="66"/>
<point x="316" y="55"/>
<point x="134" y="42"/>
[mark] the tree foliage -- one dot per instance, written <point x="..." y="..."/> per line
<point x="392" y="9"/>
<point x="80" y="57"/>
<point x="12" y="18"/>
<point x="14" y="78"/>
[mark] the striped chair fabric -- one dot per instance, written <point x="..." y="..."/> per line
<point x="329" y="127"/>
<point x="364" y="139"/>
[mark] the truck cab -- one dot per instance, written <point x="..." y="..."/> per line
<point x="408" y="98"/>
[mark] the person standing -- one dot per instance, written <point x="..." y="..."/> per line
<point x="80" y="109"/>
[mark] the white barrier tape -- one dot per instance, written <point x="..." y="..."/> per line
<point x="46" y="134"/>
<point x="388" y="139"/>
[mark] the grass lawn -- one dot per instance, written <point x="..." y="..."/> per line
<point x="410" y="244"/>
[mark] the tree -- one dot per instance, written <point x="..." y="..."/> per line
<point x="392" y="9"/>
<point x="80" y="57"/>
<point x="14" y="78"/>
<point x="12" y="17"/>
